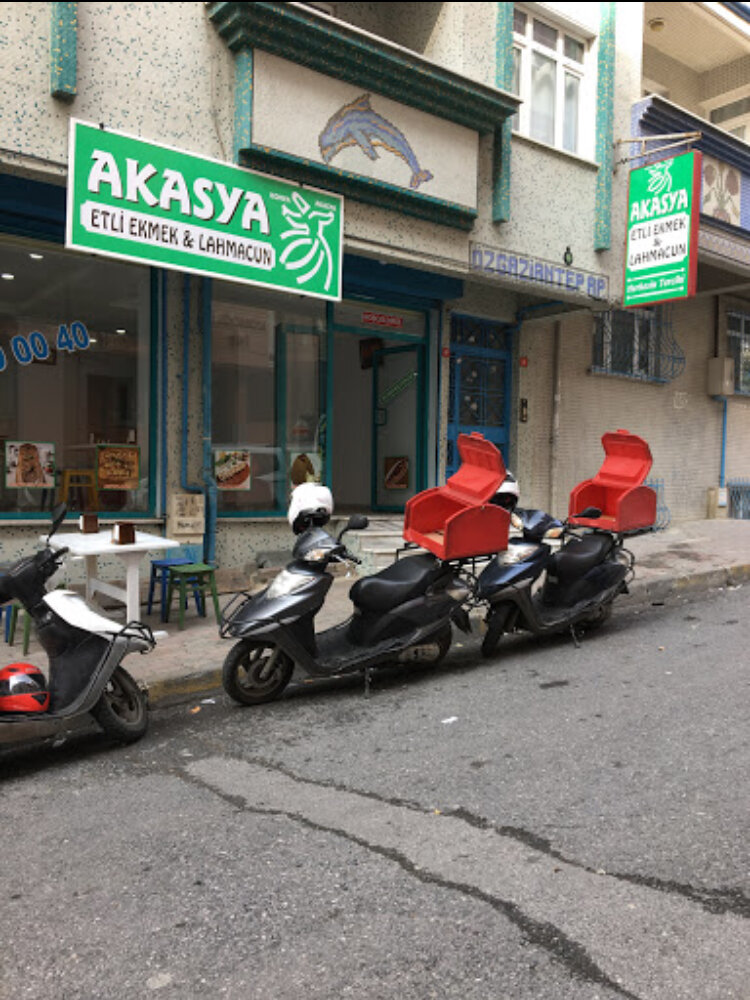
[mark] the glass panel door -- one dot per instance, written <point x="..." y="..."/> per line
<point x="397" y="449"/>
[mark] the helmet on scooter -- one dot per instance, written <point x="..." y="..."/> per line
<point x="23" y="688"/>
<point x="507" y="493"/>
<point x="311" y="504"/>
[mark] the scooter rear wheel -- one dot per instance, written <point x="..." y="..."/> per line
<point x="256" y="672"/>
<point x="122" y="710"/>
<point x="599" y="618"/>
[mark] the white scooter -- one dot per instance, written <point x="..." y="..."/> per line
<point x="84" y="649"/>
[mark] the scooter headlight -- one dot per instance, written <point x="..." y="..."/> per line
<point x="516" y="554"/>
<point x="316" y="555"/>
<point x="286" y="583"/>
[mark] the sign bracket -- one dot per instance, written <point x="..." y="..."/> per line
<point x="673" y="140"/>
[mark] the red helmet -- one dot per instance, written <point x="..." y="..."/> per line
<point x="23" y="688"/>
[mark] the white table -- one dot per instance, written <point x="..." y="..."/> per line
<point x="93" y="545"/>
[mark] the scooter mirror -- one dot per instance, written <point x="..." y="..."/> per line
<point x="58" y="516"/>
<point x="357" y="522"/>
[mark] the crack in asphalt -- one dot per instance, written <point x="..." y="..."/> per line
<point x="716" y="901"/>
<point x="542" y="934"/>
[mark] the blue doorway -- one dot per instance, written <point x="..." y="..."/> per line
<point x="480" y="384"/>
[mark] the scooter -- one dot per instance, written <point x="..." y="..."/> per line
<point x="401" y="614"/>
<point x="531" y="588"/>
<point x="85" y="651"/>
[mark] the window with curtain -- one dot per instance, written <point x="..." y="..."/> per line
<point x="550" y="68"/>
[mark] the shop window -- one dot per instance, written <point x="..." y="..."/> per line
<point x="267" y="397"/>
<point x="738" y="330"/>
<point x="74" y="382"/>
<point x="628" y="343"/>
<point x="550" y="74"/>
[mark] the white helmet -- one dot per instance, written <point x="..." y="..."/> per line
<point x="310" y="502"/>
<point x="507" y="493"/>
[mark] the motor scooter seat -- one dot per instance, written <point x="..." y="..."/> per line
<point x="403" y="581"/>
<point x="579" y="555"/>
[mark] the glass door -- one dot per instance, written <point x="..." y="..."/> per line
<point x="397" y="438"/>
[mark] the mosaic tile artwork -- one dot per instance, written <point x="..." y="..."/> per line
<point x="722" y="187"/>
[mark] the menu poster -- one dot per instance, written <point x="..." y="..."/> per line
<point x="396" y="473"/>
<point x="232" y="468"/>
<point x="29" y="465"/>
<point x="118" y="466"/>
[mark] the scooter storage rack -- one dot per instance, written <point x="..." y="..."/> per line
<point x="456" y="521"/>
<point x="617" y="489"/>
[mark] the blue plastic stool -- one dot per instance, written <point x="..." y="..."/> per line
<point x="160" y="574"/>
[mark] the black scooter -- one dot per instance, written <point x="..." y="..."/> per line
<point x="84" y="649"/>
<point x="401" y="614"/>
<point x="531" y="588"/>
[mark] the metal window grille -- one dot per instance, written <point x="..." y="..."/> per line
<point x="638" y="343"/>
<point x="739" y="499"/>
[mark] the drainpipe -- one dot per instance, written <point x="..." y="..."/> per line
<point x="187" y="487"/>
<point x="722" y="467"/>
<point x="556" y="397"/>
<point x="211" y="490"/>
<point x="164" y="392"/>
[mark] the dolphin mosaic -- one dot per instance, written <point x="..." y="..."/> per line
<point x="356" y="124"/>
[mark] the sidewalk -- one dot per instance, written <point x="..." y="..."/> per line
<point x="685" y="560"/>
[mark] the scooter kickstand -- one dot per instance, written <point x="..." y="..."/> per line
<point x="575" y="636"/>
<point x="368" y="674"/>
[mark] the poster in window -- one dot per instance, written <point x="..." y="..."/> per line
<point x="305" y="467"/>
<point x="29" y="465"/>
<point x="396" y="473"/>
<point x="232" y="468"/>
<point x="118" y="467"/>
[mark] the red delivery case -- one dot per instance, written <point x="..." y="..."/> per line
<point x="456" y="521"/>
<point x="617" y="489"/>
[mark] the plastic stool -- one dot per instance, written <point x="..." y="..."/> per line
<point x="160" y="574"/>
<point x="199" y="575"/>
<point x="11" y="621"/>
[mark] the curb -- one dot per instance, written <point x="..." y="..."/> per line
<point x="644" y="591"/>
<point x="170" y="691"/>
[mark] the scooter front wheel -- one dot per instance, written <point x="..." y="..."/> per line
<point x="122" y="710"/>
<point x="256" y="672"/>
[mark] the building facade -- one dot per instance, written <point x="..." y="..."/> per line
<point x="479" y="155"/>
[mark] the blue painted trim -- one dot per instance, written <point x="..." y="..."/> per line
<point x="280" y="403"/>
<point x="351" y="185"/>
<point x="328" y="466"/>
<point x="243" y="101"/>
<point x="415" y="289"/>
<point x="656" y="116"/>
<point x="31" y="209"/>
<point x="723" y="467"/>
<point x="210" y="489"/>
<point x="501" y="153"/>
<point x="64" y="51"/>
<point x="605" y="125"/>
<point x="185" y="435"/>
<point x="164" y="391"/>
<point x="740" y="9"/>
<point x="301" y="35"/>
<point x="153" y="427"/>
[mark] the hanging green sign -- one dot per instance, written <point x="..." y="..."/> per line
<point x="139" y="201"/>
<point x="661" y="256"/>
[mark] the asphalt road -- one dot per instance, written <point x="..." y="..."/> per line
<point x="554" y="824"/>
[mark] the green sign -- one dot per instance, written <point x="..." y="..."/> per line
<point x="138" y="201"/>
<point x="662" y="230"/>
